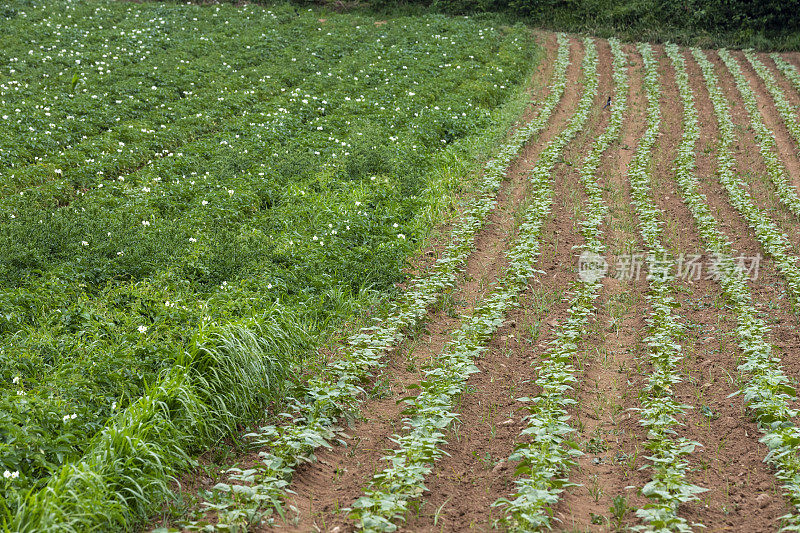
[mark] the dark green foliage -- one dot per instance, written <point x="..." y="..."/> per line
<point x="768" y="24"/>
<point x="225" y="376"/>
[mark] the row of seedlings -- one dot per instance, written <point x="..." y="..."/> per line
<point x="253" y="494"/>
<point x="389" y="492"/>
<point x="764" y="137"/>
<point x="786" y="110"/>
<point x="545" y="452"/>
<point x="775" y="243"/>
<point x="660" y="412"/>
<point x="789" y="70"/>
<point x="765" y="388"/>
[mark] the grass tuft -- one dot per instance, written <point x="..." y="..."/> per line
<point x="227" y="375"/>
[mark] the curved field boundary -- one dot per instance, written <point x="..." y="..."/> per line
<point x="765" y="387"/>
<point x="390" y="491"/>
<point x="786" y="110"/>
<point x="764" y="137"/>
<point x="660" y="412"/>
<point x="775" y="243"/>
<point x="110" y="470"/>
<point x="312" y="423"/>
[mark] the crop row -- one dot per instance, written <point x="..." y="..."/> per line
<point x="140" y="82"/>
<point x="180" y="87"/>
<point x="380" y="504"/>
<point x="764" y="137"/>
<point x="766" y="389"/>
<point x="545" y="452"/>
<point x="660" y="413"/>
<point x="789" y="70"/>
<point x="429" y="414"/>
<point x="257" y="492"/>
<point x="786" y="110"/>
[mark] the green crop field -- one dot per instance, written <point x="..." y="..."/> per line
<point x="347" y="266"/>
<point x="178" y="182"/>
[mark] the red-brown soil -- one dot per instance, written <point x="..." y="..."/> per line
<point x="476" y="472"/>
<point x="769" y="290"/>
<point x="787" y="146"/>
<point x="730" y="462"/>
<point x="606" y="429"/>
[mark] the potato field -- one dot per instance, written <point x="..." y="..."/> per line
<point x="272" y="268"/>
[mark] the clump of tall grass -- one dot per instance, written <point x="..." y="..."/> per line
<point x="225" y="377"/>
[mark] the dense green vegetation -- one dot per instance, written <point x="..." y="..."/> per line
<point x="770" y="24"/>
<point x="182" y="184"/>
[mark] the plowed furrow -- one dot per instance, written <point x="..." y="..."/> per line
<point x="791" y="91"/>
<point x="788" y="147"/>
<point x="467" y="482"/>
<point x="607" y="433"/>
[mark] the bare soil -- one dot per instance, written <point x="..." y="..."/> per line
<point x="787" y="147"/>
<point x="608" y="435"/>
<point x="729" y="463"/>
<point x="769" y="289"/>
<point x="476" y="472"/>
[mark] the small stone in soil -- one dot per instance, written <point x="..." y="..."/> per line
<point x="763" y="500"/>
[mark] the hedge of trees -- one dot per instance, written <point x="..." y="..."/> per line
<point x="743" y="23"/>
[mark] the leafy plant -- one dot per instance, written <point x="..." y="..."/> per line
<point x="315" y="412"/>
<point x="618" y="509"/>
<point x="391" y="491"/>
<point x="186" y="186"/>
<point x="785" y="109"/>
<point x="660" y="412"/>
